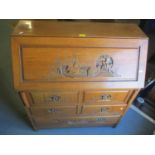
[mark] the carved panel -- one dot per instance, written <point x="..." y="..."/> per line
<point x="79" y="64"/>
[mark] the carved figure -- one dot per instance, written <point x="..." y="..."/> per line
<point x="103" y="64"/>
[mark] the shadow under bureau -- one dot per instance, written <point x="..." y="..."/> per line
<point x="73" y="74"/>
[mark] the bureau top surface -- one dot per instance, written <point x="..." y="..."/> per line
<point x="77" y="29"/>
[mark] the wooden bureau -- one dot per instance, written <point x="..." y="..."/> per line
<point x="73" y="74"/>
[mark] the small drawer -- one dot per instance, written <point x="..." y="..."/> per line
<point x="55" y="98"/>
<point x="105" y="96"/>
<point x="53" y="111"/>
<point x="49" y="122"/>
<point x="103" y="110"/>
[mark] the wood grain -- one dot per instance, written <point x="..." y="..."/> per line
<point x="55" y="98"/>
<point x="105" y="96"/>
<point x="74" y="29"/>
<point x="50" y="122"/>
<point x="104" y="110"/>
<point x="77" y="74"/>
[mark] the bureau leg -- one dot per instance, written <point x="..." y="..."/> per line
<point x="33" y="124"/>
<point x="31" y="119"/>
<point x="34" y="127"/>
<point x="114" y="126"/>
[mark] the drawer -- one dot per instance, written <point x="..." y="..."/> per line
<point x="66" y="64"/>
<point x="103" y="110"/>
<point x="49" y="122"/>
<point x="55" y="98"/>
<point x="53" y="111"/>
<point x="105" y="96"/>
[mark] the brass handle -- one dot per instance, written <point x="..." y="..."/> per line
<point x="106" y="97"/>
<point x="51" y="110"/>
<point x="101" y="119"/>
<point x="104" y="109"/>
<point x="55" y="98"/>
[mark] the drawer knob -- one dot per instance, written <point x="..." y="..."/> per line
<point x="55" y="98"/>
<point x="106" y="97"/>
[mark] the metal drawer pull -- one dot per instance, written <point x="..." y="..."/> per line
<point x="53" y="110"/>
<point x="101" y="119"/>
<point x="55" y="98"/>
<point x="106" y="97"/>
<point x="104" y="109"/>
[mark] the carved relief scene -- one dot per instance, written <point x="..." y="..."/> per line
<point x="103" y="66"/>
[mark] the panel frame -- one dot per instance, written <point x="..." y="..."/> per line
<point x="19" y="84"/>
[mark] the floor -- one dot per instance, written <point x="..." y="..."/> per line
<point x="12" y="115"/>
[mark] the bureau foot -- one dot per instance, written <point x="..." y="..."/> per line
<point x="34" y="128"/>
<point x="114" y="126"/>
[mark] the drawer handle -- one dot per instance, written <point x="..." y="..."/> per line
<point x="55" y="98"/>
<point x="101" y="119"/>
<point x="53" y="110"/>
<point x="106" y="97"/>
<point x="104" y="109"/>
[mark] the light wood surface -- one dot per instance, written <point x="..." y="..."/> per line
<point x="77" y="29"/>
<point x="77" y="74"/>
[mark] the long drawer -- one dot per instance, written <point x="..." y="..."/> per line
<point x="47" y="122"/>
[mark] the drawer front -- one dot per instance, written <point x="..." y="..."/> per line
<point x="53" y="111"/>
<point x="56" y="64"/>
<point x="103" y="110"/>
<point x="45" y="122"/>
<point x="55" y="98"/>
<point x="105" y="97"/>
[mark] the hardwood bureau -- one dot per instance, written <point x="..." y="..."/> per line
<point x="73" y="74"/>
